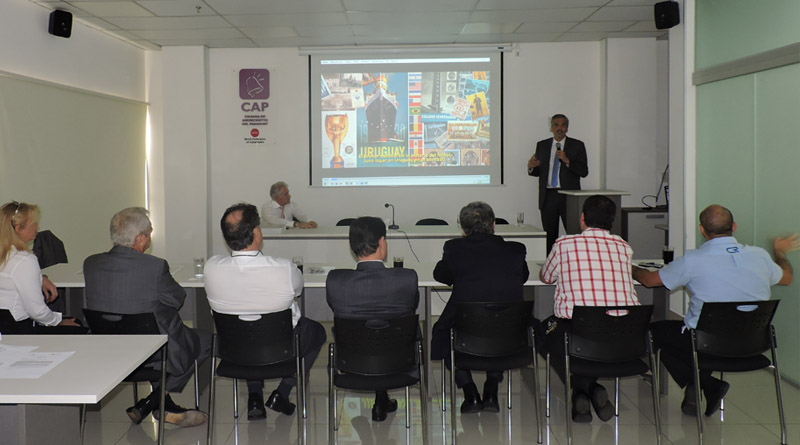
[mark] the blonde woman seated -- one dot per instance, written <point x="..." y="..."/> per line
<point x="24" y="291"/>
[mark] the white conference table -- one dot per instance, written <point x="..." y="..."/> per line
<point x="330" y="245"/>
<point x="98" y="365"/>
<point x="196" y="311"/>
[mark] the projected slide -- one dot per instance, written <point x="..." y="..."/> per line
<point x="407" y="121"/>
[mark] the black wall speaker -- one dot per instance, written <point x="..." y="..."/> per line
<point x="60" y="23"/>
<point x="667" y="15"/>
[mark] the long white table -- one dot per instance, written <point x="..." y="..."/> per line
<point x="98" y="365"/>
<point x="329" y="245"/>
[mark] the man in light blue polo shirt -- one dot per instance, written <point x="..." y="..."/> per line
<point x="722" y="269"/>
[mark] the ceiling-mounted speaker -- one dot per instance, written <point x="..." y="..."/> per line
<point x="667" y="15"/>
<point x="60" y="23"/>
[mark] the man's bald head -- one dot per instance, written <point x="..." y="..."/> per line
<point x="716" y="221"/>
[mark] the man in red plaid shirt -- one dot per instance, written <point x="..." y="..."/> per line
<point x="589" y="269"/>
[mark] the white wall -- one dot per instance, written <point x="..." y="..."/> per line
<point x="634" y="161"/>
<point x="533" y="92"/>
<point x="90" y="60"/>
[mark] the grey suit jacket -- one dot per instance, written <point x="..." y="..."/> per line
<point x="372" y="291"/>
<point x="125" y="281"/>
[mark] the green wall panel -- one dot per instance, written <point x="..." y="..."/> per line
<point x="730" y="29"/>
<point x="777" y="208"/>
<point x="725" y="173"/>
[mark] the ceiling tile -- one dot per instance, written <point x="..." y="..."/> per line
<point x="490" y="28"/>
<point x="177" y="8"/>
<point x="146" y="44"/>
<point x="392" y="30"/>
<point x="323" y="31"/>
<point x="98" y="23"/>
<point x="417" y="18"/>
<point x="504" y="38"/>
<point x="533" y="15"/>
<point x="271" y="32"/>
<point x="601" y="26"/>
<point x="649" y="3"/>
<point x="201" y="22"/>
<point x="245" y="7"/>
<point x="408" y="5"/>
<point x="289" y="42"/>
<point x="186" y="34"/>
<point x="649" y="26"/>
<point x="258" y="20"/>
<point x="538" y="4"/>
<point x="559" y="27"/>
<point x="623" y="13"/>
<point x="581" y="37"/>
<point x="409" y="39"/>
<point x="211" y="43"/>
<point x="113" y="9"/>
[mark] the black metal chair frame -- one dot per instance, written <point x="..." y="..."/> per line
<point x="266" y="347"/>
<point x="8" y="325"/>
<point x="487" y="332"/>
<point x="345" y="222"/>
<point x="109" y="323"/>
<point x="731" y="337"/>
<point x="375" y="355"/>
<point x="609" y="345"/>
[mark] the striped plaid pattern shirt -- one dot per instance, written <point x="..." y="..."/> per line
<point x="590" y="269"/>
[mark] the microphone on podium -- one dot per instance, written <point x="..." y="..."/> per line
<point x="393" y="226"/>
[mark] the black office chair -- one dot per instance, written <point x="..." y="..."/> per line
<point x="731" y="337"/>
<point x="8" y="325"/>
<point x="375" y="355"/>
<point x="345" y="222"/>
<point x="263" y="349"/>
<point x="108" y="323"/>
<point x="492" y="337"/>
<point x="500" y="221"/>
<point x="609" y="342"/>
<point x="431" y="222"/>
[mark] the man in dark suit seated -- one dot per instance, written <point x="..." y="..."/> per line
<point x="481" y="267"/>
<point x="372" y="291"/>
<point x="125" y="280"/>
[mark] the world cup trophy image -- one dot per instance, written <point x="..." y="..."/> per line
<point x="336" y="128"/>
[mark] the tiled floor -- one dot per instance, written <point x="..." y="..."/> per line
<point x="750" y="417"/>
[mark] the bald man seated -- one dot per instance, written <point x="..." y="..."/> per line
<point x="720" y="270"/>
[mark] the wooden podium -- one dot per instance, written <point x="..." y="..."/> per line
<point x="575" y="199"/>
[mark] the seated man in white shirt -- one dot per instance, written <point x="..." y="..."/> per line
<point x="281" y="210"/>
<point x="247" y="282"/>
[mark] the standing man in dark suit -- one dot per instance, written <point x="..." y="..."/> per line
<point x="125" y="280"/>
<point x="560" y="163"/>
<point x="372" y="291"/>
<point x="481" y="267"/>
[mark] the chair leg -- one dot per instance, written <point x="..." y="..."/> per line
<point x="547" y="385"/>
<point x="509" y="390"/>
<point x="331" y="395"/>
<point x="135" y="392"/>
<point x="536" y="400"/>
<point x="408" y="407"/>
<point x="83" y="421"/>
<point x="697" y="390"/>
<point x="211" y="399"/>
<point x="235" y="399"/>
<point x="452" y="389"/>
<point x="423" y="394"/>
<point x="444" y="379"/>
<point x="567" y="389"/>
<point x="778" y="394"/>
<point x="616" y="396"/>
<point x="162" y="395"/>
<point x="196" y="386"/>
<point x="722" y="400"/>
<point x="655" y="387"/>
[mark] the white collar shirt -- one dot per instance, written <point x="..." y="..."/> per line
<point x="21" y="289"/>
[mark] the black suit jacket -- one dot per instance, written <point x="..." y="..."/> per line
<point x="125" y="281"/>
<point x="570" y="177"/>
<point x="372" y="291"/>
<point x="480" y="268"/>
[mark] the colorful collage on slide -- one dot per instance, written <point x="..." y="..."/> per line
<point x="421" y="119"/>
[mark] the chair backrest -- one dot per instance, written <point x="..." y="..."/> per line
<point x="265" y="341"/>
<point x="500" y="221"/>
<point x="431" y="222"/>
<point x="376" y="347"/>
<point x="735" y="329"/>
<point x="8" y="325"/>
<point x="607" y="334"/>
<point x="109" y="323"/>
<point x="492" y="329"/>
<point x="345" y="222"/>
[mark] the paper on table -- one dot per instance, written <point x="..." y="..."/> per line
<point x="319" y="270"/>
<point x="22" y="363"/>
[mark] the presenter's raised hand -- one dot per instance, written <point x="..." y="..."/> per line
<point x="783" y="246"/>
<point x="533" y="162"/>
